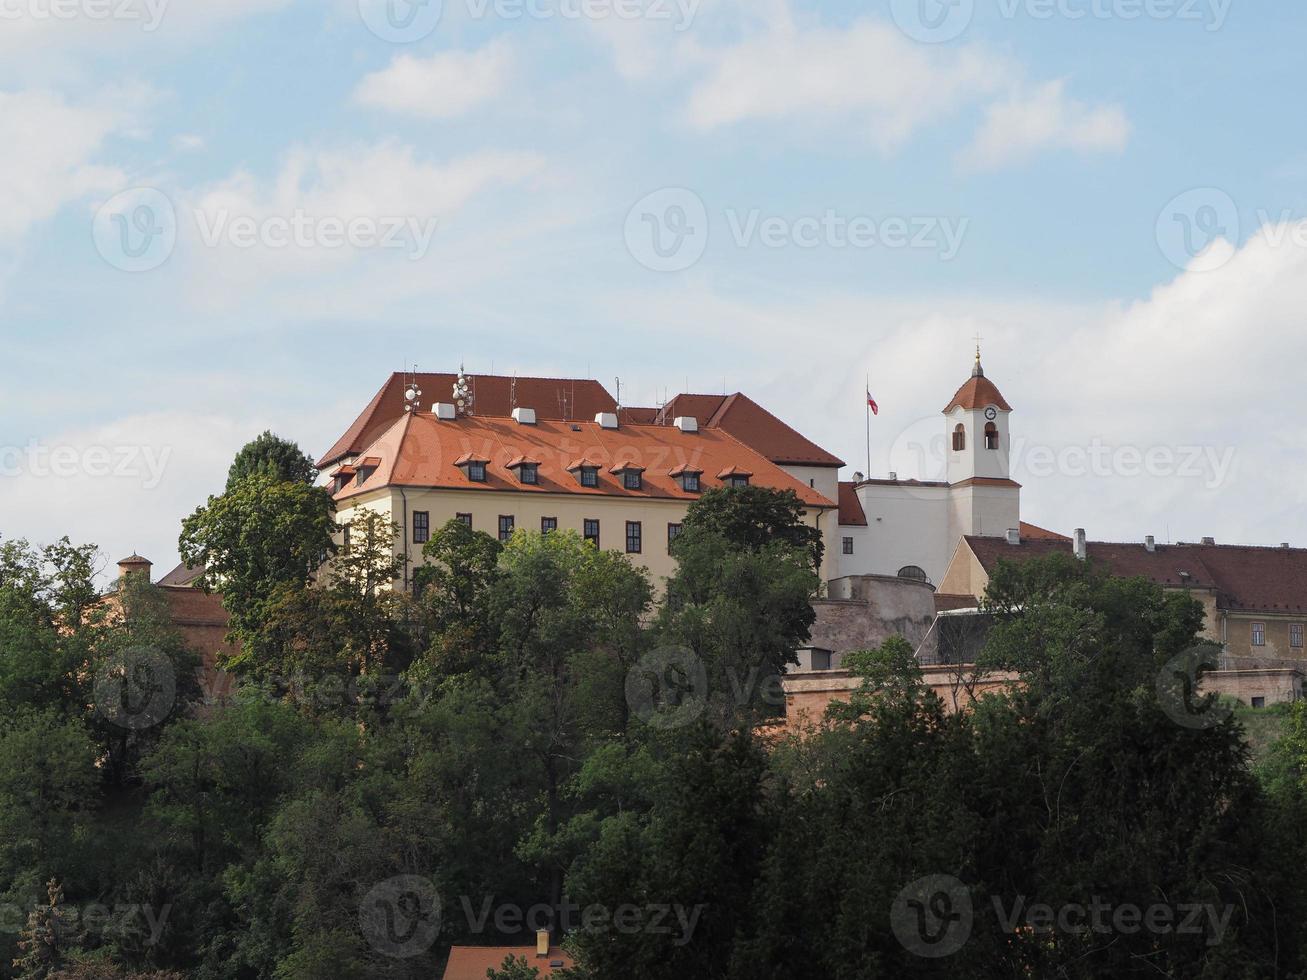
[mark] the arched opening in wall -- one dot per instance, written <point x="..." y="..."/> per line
<point x="913" y="572"/>
<point x="991" y="435"/>
<point x="959" y="438"/>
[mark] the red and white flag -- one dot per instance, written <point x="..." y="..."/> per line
<point x="871" y="403"/>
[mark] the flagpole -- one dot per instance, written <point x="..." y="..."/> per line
<point x="866" y="407"/>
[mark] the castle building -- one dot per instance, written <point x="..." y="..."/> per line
<point x="623" y="483"/>
<point x="910" y="528"/>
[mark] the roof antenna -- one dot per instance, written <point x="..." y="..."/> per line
<point x="618" y="383"/>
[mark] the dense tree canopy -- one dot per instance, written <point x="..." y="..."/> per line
<point x="272" y="456"/>
<point x="541" y="736"/>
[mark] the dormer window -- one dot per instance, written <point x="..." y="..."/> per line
<point x="631" y="474"/>
<point x="735" y="477"/>
<point x="474" y="466"/>
<point x="585" y="470"/>
<point x="991" y="435"/>
<point x="528" y="469"/>
<point x="688" y="477"/>
<point x="366" y="469"/>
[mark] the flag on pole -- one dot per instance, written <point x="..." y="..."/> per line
<point x="871" y="403"/>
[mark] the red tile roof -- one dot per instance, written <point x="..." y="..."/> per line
<point x="420" y="450"/>
<point x="552" y="398"/>
<point x="851" y="512"/>
<point x="1162" y="566"/>
<point x="1035" y="532"/>
<point x="474" y="962"/>
<point x="978" y="392"/>
<point x="1245" y="578"/>
<point x="752" y="424"/>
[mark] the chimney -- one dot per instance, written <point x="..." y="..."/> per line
<point x="857" y="476"/>
<point x="1150" y="543"/>
<point x="1284" y="545"/>
<point x="1081" y="545"/>
<point x="135" y="565"/>
<point x="607" y="420"/>
<point x="524" y="416"/>
<point x="893" y="476"/>
<point x="1014" y="536"/>
<point x="542" y="942"/>
<point x="445" y="411"/>
<point x="687" y="423"/>
<point x="1209" y="541"/>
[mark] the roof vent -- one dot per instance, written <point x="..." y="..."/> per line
<point x="1284" y="544"/>
<point x="444" y="411"/>
<point x="607" y="420"/>
<point x="1081" y="545"/>
<point x="1014" y="535"/>
<point x="1150" y="543"/>
<point x="687" y="423"/>
<point x="1209" y="541"/>
<point x="857" y="477"/>
<point x="893" y="476"/>
<point x="524" y="416"/>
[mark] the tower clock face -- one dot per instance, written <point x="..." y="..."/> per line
<point x="991" y="414"/>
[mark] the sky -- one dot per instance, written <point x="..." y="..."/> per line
<point x="221" y="216"/>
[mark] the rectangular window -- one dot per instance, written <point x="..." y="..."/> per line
<point x="589" y="476"/>
<point x="530" y="473"/>
<point x="739" y="481"/>
<point x="476" y="472"/>
<point x="633" y="533"/>
<point x="690" y="482"/>
<point x="344" y="539"/>
<point x="548" y="524"/>
<point x="1295" y="636"/>
<point x="590" y="528"/>
<point x="632" y="479"/>
<point x="505" y="526"/>
<point x="1259" y="634"/>
<point x="848" y="546"/>
<point x="421" y="526"/>
<point x="673" y="532"/>
<point x="1259" y="702"/>
<point x="464" y="519"/>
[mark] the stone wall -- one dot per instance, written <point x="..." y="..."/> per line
<point x="863" y="611"/>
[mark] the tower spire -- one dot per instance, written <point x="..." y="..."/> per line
<point x="978" y="371"/>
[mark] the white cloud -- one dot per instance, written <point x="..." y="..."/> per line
<point x="443" y="86"/>
<point x="1043" y="119"/>
<point x="869" y="77"/>
<point x="51" y="153"/>
<point x="1202" y="372"/>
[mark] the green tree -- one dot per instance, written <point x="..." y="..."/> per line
<point x="272" y="456"/>
<point x="258" y="539"/>
<point x="752" y="518"/>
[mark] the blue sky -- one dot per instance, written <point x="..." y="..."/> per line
<point x="1027" y="173"/>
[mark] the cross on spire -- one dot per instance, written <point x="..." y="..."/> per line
<point x="978" y="371"/>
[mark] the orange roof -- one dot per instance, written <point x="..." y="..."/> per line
<point x="752" y="424"/>
<point x="978" y="392"/>
<point x="474" y="962"/>
<point x="1036" y="533"/>
<point x="420" y="450"/>
<point x="851" y="512"/>
<point x="552" y="398"/>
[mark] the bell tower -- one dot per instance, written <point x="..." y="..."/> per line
<point x="977" y="437"/>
